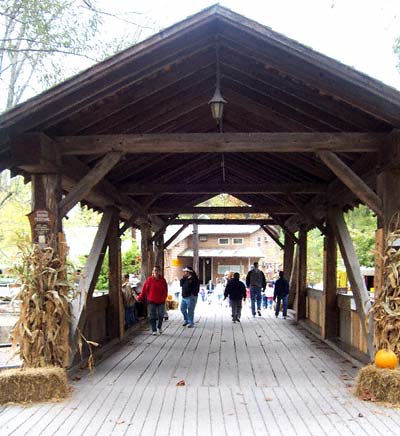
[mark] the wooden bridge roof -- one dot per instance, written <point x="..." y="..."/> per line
<point x="147" y="108"/>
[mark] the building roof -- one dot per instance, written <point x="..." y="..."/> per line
<point x="224" y="252"/>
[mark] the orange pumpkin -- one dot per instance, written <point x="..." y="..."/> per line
<point x="386" y="359"/>
<point x="169" y="297"/>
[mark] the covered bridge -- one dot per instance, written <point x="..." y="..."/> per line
<point x="302" y="138"/>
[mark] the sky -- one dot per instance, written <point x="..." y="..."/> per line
<point x="359" y="33"/>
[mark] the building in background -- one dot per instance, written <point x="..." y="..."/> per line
<point x="222" y="248"/>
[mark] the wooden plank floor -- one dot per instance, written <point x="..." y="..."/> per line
<point x="264" y="376"/>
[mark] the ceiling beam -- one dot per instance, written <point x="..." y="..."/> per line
<point x="226" y="188"/>
<point x="258" y="221"/>
<point x="221" y="210"/>
<point x="225" y="142"/>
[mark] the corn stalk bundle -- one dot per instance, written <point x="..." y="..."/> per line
<point x="43" y="326"/>
<point x="386" y="308"/>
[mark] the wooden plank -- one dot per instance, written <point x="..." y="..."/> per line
<point x="85" y="185"/>
<point x="352" y="181"/>
<point x="217" y="188"/>
<point x="222" y="143"/>
<point x="273" y="235"/>
<point x="226" y="221"/>
<point x="170" y="210"/>
<point x="175" y="235"/>
<point x="360" y="293"/>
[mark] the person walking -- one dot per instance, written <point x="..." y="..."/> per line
<point x="129" y="299"/>
<point x="190" y="290"/>
<point x="155" y="290"/>
<point x="236" y="291"/>
<point x="281" y="294"/>
<point x="255" y="280"/>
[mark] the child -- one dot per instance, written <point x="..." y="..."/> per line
<point x="236" y="291"/>
<point x="269" y="295"/>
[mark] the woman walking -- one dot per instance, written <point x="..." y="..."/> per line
<point x="190" y="290"/>
<point x="155" y="290"/>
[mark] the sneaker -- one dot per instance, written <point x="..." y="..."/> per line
<point x="154" y="333"/>
<point x="160" y="331"/>
<point x="185" y="323"/>
<point x="254" y="315"/>
<point x="234" y="321"/>
<point x="259" y="312"/>
<point x="166" y="318"/>
<point x="284" y="317"/>
<point x="190" y="326"/>
<point x="237" y="319"/>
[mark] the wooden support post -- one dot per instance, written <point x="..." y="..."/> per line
<point x="301" y="301"/>
<point x="329" y="304"/>
<point x="45" y="221"/>
<point x="116" y="309"/>
<point x="357" y="284"/>
<point x="293" y="279"/>
<point x="145" y="269"/>
<point x="195" y="245"/>
<point x="379" y="264"/>
<point x="159" y="252"/>
<point x="288" y="250"/>
<point x="88" y="280"/>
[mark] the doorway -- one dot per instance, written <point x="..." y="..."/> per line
<point x="205" y="270"/>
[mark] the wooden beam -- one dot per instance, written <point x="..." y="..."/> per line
<point x="360" y="293"/>
<point x="301" y="280"/>
<point x="287" y="232"/>
<point x="308" y="215"/>
<point x="175" y="235"/>
<point x="272" y="234"/>
<point x="92" y="178"/>
<point x="161" y="230"/>
<point x="218" y="188"/>
<point x="288" y="257"/>
<point x="329" y="328"/>
<point x="219" y="143"/>
<point x="89" y="279"/>
<point x="352" y="181"/>
<point x="171" y="210"/>
<point x="257" y="221"/>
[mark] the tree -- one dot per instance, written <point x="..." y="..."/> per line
<point x="36" y="37"/>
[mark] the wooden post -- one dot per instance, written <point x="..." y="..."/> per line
<point x="329" y="306"/>
<point x="379" y="264"/>
<point x="195" y="241"/>
<point x="45" y="220"/>
<point x="301" y="301"/>
<point x="144" y="245"/>
<point x="293" y="279"/>
<point x="288" y="256"/>
<point x="159" y="252"/>
<point x="116" y="309"/>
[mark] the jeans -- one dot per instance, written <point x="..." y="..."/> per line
<point x="236" y="306"/>
<point x="129" y="316"/>
<point x="285" y="300"/>
<point x="156" y="315"/>
<point x="255" y="295"/>
<point x="269" y="303"/>
<point x="188" y="305"/>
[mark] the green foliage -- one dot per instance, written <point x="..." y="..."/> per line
<point x="130" y="265"/>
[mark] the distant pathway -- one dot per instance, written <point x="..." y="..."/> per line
<point x="265" y="376"/>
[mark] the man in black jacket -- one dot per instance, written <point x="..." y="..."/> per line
<point x="255" y="280"/>
<point x="281" y="293"/>
<point x="236" y="291"/>
<point x="190" y="290"/>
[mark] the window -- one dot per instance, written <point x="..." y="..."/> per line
<point x="222" y="269"/>
<point x="203" y="238"/>
<point x="258" y="241"/>
<point x="237" y="241"/>
<point x="223" y="241"/>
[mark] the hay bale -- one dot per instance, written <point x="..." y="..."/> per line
<point x="377" y="384"/>
<point x="33" y="385"/>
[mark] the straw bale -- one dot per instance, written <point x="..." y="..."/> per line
<point x="378" y="384"/>
<point x="32" y="385"/>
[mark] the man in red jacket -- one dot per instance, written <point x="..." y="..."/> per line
<point x="155" y="290"/>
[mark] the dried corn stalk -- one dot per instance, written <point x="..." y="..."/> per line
<point x="386" y="308"/>
<point x="42" y="329"/>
